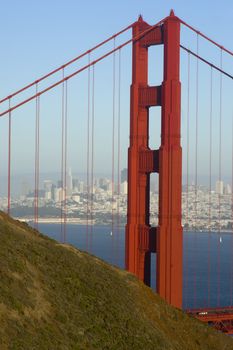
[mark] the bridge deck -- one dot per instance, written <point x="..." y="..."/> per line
<point x="220" y="318"/>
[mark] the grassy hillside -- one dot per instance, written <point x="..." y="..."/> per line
<point x="53" y="296"/>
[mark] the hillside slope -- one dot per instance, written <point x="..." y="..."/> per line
<point x="53" y="296"/>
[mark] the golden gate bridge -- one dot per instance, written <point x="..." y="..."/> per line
<point x="141" y="238"/>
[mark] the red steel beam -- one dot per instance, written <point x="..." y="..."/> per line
<point x="223" y="323"/>
<point x="169" y="238"/>
<point x="137" y="259"/>
<point x="219" y="318"/>
<point x="141" y="238"/>
<point x="225" y="309"/>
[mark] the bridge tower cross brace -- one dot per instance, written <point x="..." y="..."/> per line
<point x="166" y="239"/>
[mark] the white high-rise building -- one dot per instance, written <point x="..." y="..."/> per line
<point x="124" y="187"/>
<point x="219" y="187"/>
<point x="227" y="189"/>
<point x="76" y="197"/>
<point x="69" y="182"/>
<point x="81" y="186"/>
<point x="109" y="186"/>
<point x="56" y="194"/>
<point x="48" y="195"/>
<point x="48" y="189"/>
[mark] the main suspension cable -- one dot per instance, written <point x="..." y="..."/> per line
<point x="66" y="64"/>
<point x="136" y="38"/>
<point x="206" y="37"/>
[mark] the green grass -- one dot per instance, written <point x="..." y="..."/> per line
<point x="55" y="297"/>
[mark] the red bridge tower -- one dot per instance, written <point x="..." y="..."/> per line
<point x="166" y="239"/>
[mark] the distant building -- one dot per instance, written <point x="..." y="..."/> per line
<point x="124" y="175"/>
<point x="48" y="195"/>
<point x="219" y="186"/>
<point x="48" y="189"/>
<point x="47" y="185"/>
<point x="227" y="189"/>
<point x="61" y="194"/>
<point x="55" y="194"/>
<point x="76" y="197"/>
<point x="124" y="187"/>
<point x="97" y="183"/>
<point x="75" y="185"/>
<point x="81" y="187"/>
<point x="59" y="183"/>
<point x="53" y="191"/>
<point x="109" y="186"/>
<point x="103" y="183"/>
<point x="69" y="182"/>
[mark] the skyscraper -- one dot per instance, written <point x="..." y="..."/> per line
<point x="219" y="186"/>
<point x="124" y="175"/>
<point x="69" y="182"/>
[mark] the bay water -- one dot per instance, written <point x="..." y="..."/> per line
<point x="207" y="259"/>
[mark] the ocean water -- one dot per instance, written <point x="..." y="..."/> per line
<point x="207" y="260"/>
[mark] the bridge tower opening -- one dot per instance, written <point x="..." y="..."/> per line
<point x="141" y="238"/>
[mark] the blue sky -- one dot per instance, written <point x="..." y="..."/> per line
<point x="38" y="36"/>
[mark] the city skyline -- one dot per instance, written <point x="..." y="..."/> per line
<point x="201" y="207"/>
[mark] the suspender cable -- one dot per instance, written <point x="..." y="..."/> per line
<point x="187" y="170"/>
<point x="88" y="153"/>
<point x="220" y="174"/>
<point x="9" y="161"/>
<point x="38" y="160"/>
<point x="92" y="155"/>
<point x="210" y="180"/>
<point x="65" y="158"/>
<point x="231" y="300"/>
<point x="187" y="160"/>
<point x="113" y="145"/>
<point x="37" y="136"/>
<point x="196" y="172"/>
<point x="62" y="157"/>
<point x="118" y="156"/>
<point x="36" y="150"/>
